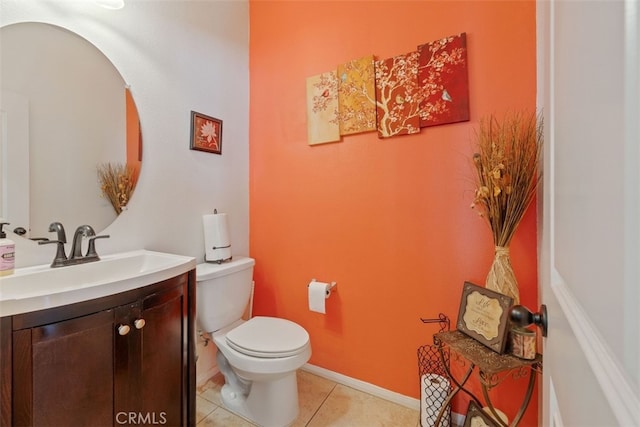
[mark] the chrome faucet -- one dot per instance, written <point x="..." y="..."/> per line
<point x="59" y="230"/>
<point x="75" y="256"/>
<point x="60" y="259"/>
<point x="76" y="246"/>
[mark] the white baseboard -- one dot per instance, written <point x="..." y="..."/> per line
<point x="392" y="396"/>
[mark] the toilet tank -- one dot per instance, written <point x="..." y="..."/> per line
<point x="223" y="292"/>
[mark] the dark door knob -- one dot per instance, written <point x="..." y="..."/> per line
<point x="522" y="316"/>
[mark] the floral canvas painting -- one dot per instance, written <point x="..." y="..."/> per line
<point x="322" y="108"/>
<point x="397" y="95"/>
<point x="443" y="77"/>
<point x="206" y="133"/>
<point x="357" y="96"/>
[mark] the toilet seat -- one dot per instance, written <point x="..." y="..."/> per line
<point x="268" y="337"/>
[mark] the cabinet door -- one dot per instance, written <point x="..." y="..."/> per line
<point x="164" y="341"/>
<point x="63" y="372"/>
<point x="150" y="360"/>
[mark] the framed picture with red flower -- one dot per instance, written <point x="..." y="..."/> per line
<point x="206" y="133"/>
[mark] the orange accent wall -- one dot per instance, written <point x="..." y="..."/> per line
<point x="388" y="220"/>
<point x="134" y="137"/>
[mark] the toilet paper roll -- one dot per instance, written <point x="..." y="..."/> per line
<point x="216" y="237"/>
<point x="434" y="391"/>
<point x="318" y="294"/>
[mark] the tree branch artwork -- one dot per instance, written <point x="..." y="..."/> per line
<point x="398" y="95"/>
<point x="443" y="77"/>
<point x="357" y="96"/>
<point x="322" y="108"/>
<point x="395" y="96"/>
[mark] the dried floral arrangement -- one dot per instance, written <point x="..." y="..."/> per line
<point x="508" y="173"/>
<point x="117" y="182"/>
<point x="507" y="163"/>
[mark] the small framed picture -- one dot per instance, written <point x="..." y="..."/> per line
<point x="476" y="417"/>
<point x="206" y="133"/>
<point x="484" y="316"/>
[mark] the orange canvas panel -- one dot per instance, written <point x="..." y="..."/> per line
<point x="442" y="74"/>
<point x="398" y="95"/>
<point x="357" y="96"/>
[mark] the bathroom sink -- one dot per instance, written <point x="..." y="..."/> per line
<point x="40" y="287"/>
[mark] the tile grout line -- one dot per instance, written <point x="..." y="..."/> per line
<point x="321" y="404"/>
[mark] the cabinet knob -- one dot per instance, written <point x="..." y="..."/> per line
<point x="139" y="323"/>
<point x="123" y="329"/>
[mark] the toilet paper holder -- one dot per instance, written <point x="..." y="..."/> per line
<point x="331" y="287"/>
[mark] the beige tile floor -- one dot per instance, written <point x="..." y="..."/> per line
<point x="323" y="403"/>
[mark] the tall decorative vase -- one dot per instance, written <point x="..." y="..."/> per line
<point x="501" y="277"/>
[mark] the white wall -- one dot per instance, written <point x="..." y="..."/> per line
<point x="177" y="56"/>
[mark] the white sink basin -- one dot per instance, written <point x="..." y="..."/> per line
<point x="40" y="287"/>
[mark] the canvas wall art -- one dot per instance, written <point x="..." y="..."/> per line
<point x="443" y="77"/>
<point x="357" y="96"/>
<point x="322" y="108"/>
<point x="395" y="96"/>
<point x="398" y="95"/>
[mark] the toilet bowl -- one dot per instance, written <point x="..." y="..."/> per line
<point x="263" y="354"/>
<point x="258" y="357"/>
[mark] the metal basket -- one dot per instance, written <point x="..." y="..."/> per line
<point x="434" y="385"/>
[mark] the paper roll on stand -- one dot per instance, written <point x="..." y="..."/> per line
<point x="434" y="391"/>
<point x="216" y="237"/>
<point x="319" y="292"/>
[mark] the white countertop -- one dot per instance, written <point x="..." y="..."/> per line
<point x="41" y="287"/>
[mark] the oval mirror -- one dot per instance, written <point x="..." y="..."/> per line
<point x="70" y="139"/>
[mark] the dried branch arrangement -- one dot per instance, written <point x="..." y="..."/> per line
<point x="117" y="182"/>
<point x="508" y="170"/>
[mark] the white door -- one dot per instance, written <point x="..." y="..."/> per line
<point x="589" y="89"/>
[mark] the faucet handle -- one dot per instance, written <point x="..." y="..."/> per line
<point x="91" y="250"/>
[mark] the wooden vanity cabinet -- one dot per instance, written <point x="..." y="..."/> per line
<point x="124" y="359"/>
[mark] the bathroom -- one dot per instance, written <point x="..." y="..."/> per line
<point x="387" y="219"/>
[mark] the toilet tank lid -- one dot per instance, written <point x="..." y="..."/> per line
<point x="212" y="270"/>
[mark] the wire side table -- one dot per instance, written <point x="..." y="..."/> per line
<point x="492" y="369"/>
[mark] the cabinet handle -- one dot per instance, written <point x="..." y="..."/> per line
<point x="123" y="329"/>
<point x="139" y="323"/>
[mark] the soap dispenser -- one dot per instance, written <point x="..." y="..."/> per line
<point x="7" y="252"/>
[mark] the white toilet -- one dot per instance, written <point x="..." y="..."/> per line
<point x="259" y="357"/>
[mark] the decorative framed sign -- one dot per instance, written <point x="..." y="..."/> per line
<point x="476" y="417"/>
<point x="484" y="316"/>
<point x="206" y="133"/>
